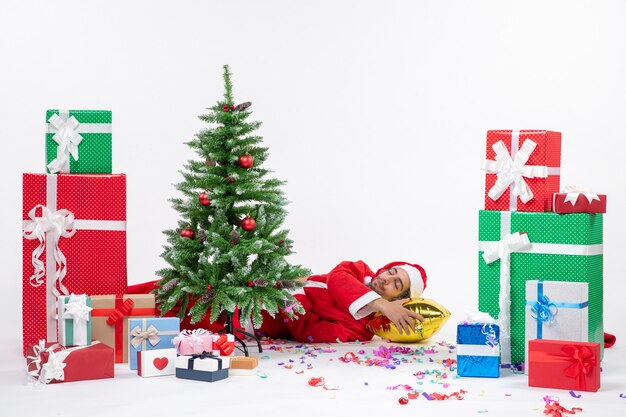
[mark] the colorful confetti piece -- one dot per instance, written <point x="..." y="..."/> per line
<point x="573" y="394"/>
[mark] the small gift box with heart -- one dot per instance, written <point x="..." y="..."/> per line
<point x="150" y="334"/>
<point x="189" y="342"/>
<point x="563" y="364"/>
<point x="557" y="311"/>
<point x="202" y="367"/>
<point x="74" y="320"/>
<point x="478" y="349"/>
<point x="579" y="200"/>
<point x="523" y="169"/>
<point x="79" y="141"/>
<point x="160" y="362"/>
<point x="49" y="363"/>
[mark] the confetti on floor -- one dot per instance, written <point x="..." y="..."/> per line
<point x="573" y="394"/>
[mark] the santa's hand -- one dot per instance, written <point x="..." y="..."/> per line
<point x="403" y="318"/>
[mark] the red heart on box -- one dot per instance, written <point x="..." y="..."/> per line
<point x="160" y="363"/>
<point x="225" y="347"/>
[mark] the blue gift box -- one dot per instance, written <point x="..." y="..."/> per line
<point x="150" y="334"/>
<point x="478" y="350"/>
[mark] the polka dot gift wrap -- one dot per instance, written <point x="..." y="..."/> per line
<point x="90" y="255"/>
<point x="534" y="165"/>
<point x="563" y="247"/>
<point x="79" y="141"/>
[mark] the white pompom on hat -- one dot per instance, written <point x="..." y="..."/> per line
<point x="417" y="276"/>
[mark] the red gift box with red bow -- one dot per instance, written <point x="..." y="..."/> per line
<point x="224" y="343"/>
<point x="563" y="364"/>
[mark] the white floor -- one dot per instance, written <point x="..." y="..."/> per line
<point x="281" y="387"/>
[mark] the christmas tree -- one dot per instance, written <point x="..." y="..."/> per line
<point x="229" y="251"/>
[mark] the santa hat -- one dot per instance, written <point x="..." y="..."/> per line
<point x="417" y="276"/>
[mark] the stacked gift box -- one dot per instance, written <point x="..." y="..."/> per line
<point x="540" y="254"/>
<point x="202" y="355"/>
<point x="75" y="307"/>
<point x="74" y="247"/>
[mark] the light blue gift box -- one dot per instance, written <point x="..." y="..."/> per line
<point x="150" y="334"/>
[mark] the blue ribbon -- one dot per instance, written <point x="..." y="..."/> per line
<point x="544" y="310"/>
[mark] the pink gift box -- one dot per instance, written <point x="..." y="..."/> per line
<point x="190" y="342"/>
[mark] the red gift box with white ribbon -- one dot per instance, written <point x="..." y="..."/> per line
<point x="523" y="169"/>
<point x="74" y="242"/>
<point x="49" y="363"/>
<point x="575" y="199"/>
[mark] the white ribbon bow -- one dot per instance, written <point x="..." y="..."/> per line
<point x="52" y="369"/>
<point x="139" y="336"/>
<point x="58" y="224"/>
<point x="574" y="191"/>
<point x="67" y="139"/>
<point x="77" y="309"/>
<point x="194" y="338"/>
<point x="510" y="243"/>
<point x="513" y="171"/>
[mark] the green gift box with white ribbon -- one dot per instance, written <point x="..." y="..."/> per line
<point x="79" y="141"/>
<point x="515" y="247"/>
<point x="74" y="320"/>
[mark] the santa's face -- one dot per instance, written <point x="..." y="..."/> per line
<point x="390" y="283"/>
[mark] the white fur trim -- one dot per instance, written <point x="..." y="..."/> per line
<point x="359" y="307"/>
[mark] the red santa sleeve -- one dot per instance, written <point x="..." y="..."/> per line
<point x="346" y="288"/>
<point x="311" y="328"/>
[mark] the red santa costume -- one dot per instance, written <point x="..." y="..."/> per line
<point x="336" y="304"/>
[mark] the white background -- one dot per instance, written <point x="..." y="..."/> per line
<point x="374" y="112"/>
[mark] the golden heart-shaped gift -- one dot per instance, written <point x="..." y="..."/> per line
<point x="435" y="316"/>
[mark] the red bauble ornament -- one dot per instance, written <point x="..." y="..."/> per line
<point x="246" y="161"/>
<point x="204" y="199"/>
<point x="188" y="233"/>
<point x="232" y="107"/>
<point x="277" y="285"/>
<point x="209" y="287"/>
<point x="403" y="400"/>
<point x="225" y="108"/>
<point x="230" y="179"/>
<point x="250" y="284"/>
<point x="248" y="224"/>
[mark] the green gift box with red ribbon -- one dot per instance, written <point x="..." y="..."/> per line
<point x="110" y="316"/>
<point x="515" y="247"/>
<point x="564" y="364"/>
